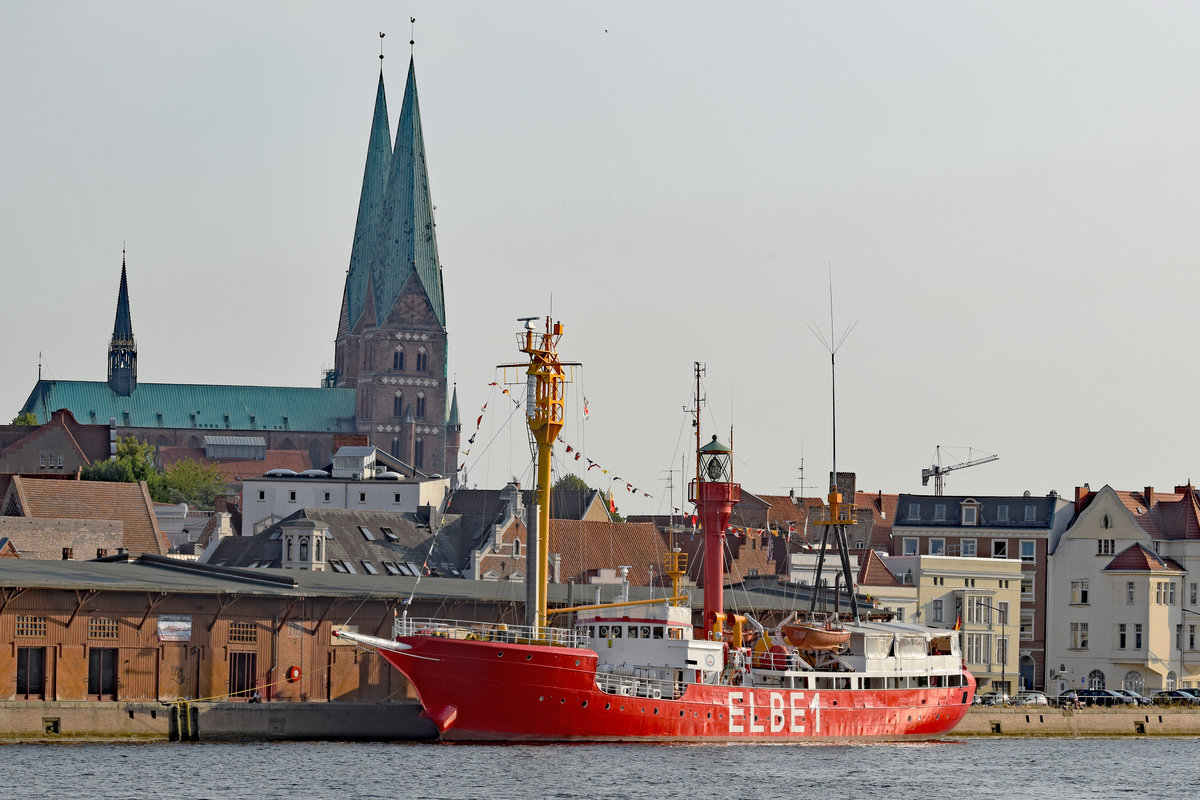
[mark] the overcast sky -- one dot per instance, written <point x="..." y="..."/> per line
<point x="1006" y="195"/>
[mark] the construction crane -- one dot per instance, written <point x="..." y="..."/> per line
<point x="937" y="471"/>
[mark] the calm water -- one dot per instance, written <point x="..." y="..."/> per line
<point x="1014" y="769"/>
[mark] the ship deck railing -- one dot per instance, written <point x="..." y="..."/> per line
<point x="489" y="632"/>
<point x="623" y="685"/>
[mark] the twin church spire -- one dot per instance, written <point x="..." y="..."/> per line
<point x="394" y="237"/>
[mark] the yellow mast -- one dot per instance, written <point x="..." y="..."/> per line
<point x="545" y="382"/>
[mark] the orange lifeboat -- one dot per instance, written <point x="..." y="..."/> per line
<point x="815" y="637"/>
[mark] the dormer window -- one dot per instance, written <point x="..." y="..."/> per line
<point x="914" y="511"/>
<point x="970" y="512"/>
<point x="939" y="512"/>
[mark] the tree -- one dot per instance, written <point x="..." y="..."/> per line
<point x="194" y="483"/>
<point x="570" y="481"/>
<point x="25" y="418"/>
<point x="134" y="462"/>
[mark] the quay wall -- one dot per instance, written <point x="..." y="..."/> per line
<point x="1053" y="721"/>
<point x="134" y="721"/>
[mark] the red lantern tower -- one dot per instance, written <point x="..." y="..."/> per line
<point x="714" y="494"/>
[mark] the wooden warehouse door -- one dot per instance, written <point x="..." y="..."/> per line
<point x="31" y="673"/>
<point x="243" y="671"/>
<point x="102" y="673"/>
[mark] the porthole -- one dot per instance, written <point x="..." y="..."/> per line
<point x="583" y="704"/>
<point x="643" y="709"/>
<point x="563" y="700"/>
<point x="710" y="715"/>
<point x="529" y="656"/>
<point x="542" y="699"/>
<point x="656" y="711"/>
<point x="681" y="713"/>
<point x="607" y="706"/>
<point x="577" y="662"/>
<point x="500" y="654"/>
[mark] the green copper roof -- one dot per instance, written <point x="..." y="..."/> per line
<point x="181" y="405"/>
<point x="453" y="419"/>
<point x="715" y="447"/>
<point x="122" y="326"/>
<point x="407" y="242"/>
<point x="370" y="212"/>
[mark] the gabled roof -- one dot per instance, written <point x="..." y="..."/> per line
<point x="370" y="213"/>
<point x="407" y="244"/>
<point x="873" y="572"/>
<point x="395" y="537"/>
<point x="182" y="405"/>
<point x="882" y="508"/>
<point x="587" y="547"/>
<point x="128" y="503"/>
<point x="1137" y="558"/>
<point x="88" y="442"/>
<point x="489" y="504"/>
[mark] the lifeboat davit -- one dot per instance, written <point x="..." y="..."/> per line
<point x="815" y="637"/>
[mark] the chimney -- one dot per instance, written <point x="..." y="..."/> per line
<point x="1148" y="495"/>
<point x="68" y="554"/>
<point x="101" y="552"/>
<point x="1184" y="489"/>
<point x="1081" y="492"/>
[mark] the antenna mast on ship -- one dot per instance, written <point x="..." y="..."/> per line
<point x="841" y="513"/>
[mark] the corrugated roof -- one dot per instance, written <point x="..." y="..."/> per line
<point x="185" y="405"/>
<point x="236" y="441"/>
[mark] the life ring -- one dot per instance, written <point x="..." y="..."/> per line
<point x="293" y="674"/>
<point x="710" y="660"/>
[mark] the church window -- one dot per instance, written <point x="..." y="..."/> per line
<point x="304" y="548"/>
<point x="289" y="548"/>
<point x="422" y="360"/>
<point x="420" y="405"/>
<point x="398" y="359"/>
<point x="398" y="404"/>
<point x="419" y="453"/>
<point x="395" y="447"/>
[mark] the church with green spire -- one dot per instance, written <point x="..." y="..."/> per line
<point x="389" y="383"/>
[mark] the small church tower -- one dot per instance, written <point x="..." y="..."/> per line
<point x="122" y="350"/>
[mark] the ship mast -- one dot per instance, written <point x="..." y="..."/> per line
<point x="545" y="382"/>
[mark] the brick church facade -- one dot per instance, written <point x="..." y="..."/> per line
<point x="389" y="382"/>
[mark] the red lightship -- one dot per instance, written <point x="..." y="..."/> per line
<point x="640" y="671"/>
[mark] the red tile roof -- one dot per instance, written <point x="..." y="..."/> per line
<point x="234" y="470"/>
<point x="1136" y="558"/>
<point x="587" y="547"/>
<point x="873" y="572"/>
<point x="128" y="503"/>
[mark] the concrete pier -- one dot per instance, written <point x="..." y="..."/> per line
<point x="142" y="721"/>
<point x="1054" y="721"/>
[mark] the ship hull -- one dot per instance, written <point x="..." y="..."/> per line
<point x="488" y="691"/>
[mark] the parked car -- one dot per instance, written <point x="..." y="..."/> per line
<point x="1138" y="699"/>
<point x="991" y="699"/>
<point x="1173" y="697"/>
<point x="1030" y="699"/>
<point x="1103" y="697"/>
